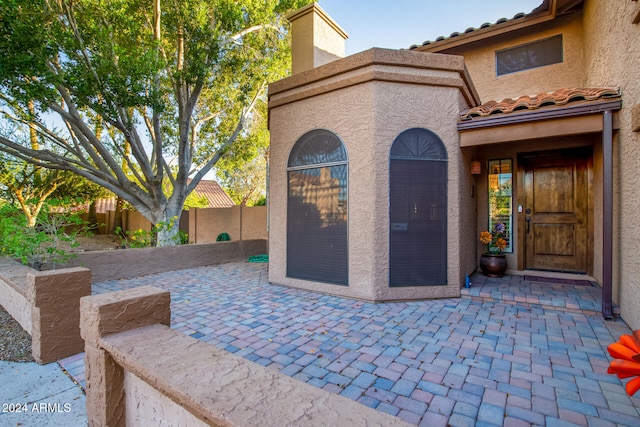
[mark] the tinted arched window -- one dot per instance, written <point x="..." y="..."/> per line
<point x="317" y="209"/>
<point x="418" y="209"/>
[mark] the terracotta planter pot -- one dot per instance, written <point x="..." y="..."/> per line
<point x="493" y="265"/>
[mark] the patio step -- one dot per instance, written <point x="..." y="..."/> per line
<point x="576" y="296"/>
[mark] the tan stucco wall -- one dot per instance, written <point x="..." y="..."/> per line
<point x="128" y="263"/>
<point x="14" y="301"/>
<point x="47" y="305"/>
<point x="316" y="39"/>
<point x="368" y="116"/>
<point x="146" y="405"/>
<point x="135" y="221"/>
<point x="612" y="58"/>
<point x="240" y="222"/>
<point x="481" y="62"/>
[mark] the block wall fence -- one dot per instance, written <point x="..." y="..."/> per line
<point x="202" y="225"/>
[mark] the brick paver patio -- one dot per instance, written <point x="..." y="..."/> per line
<point x="509" y="352"/>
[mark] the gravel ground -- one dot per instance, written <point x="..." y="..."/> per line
<point x="15" y="343"/>
<point x="97" y="242"/>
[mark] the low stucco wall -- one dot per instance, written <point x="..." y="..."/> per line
<point x="13" y="282"/>
<point x="129" y="263"/>
<point x="141" y="372"/>
<point x="47" y="306"/>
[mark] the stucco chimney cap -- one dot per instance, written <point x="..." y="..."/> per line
<point x="313" y="7"/>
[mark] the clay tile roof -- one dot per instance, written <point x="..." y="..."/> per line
<point x="104" y="205"/>
<point x="470" y="30"/>
<point x="556" y="98"/>
<point x="214" y="193"/>
<point x="216" y="196"/>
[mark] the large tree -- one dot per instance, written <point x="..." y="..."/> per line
<point x="243" y="171"/>
<point x="130" y="93"/>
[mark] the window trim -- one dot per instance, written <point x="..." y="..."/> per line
<point x="289" y="169"/>
<point x="442" y="158"/>
<point x="510" y="231"/>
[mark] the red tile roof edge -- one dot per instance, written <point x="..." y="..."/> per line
<point x="210" y="189"/>
<point x="556" y="98"/>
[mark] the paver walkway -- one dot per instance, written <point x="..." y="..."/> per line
<point x="471" y="361"/>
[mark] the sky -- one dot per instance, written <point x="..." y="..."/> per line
<point x="398" y="24"/>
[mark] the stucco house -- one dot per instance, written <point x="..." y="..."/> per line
<point x="386" y="165"/>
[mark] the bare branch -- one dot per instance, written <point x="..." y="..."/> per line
<point x="206" y="167"/>
<point x="234" y="38"/>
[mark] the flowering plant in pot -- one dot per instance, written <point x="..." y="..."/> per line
<point x="493" y="263"/>
<point x="493" y="239"/>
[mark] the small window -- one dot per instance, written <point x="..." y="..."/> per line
<point x="531" y="55"/>
<point x="501" y="198"/>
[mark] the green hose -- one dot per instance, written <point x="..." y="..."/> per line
<point x="259" y="258"/>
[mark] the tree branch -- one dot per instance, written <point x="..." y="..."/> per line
<point x="234" y="38"/>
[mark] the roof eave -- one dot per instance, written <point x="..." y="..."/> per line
<point x="565" y="111"/>
<point x="538" y="16"/>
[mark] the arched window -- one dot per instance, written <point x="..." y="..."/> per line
<point x="317" y="246"/>
<point x="418" y="209"/>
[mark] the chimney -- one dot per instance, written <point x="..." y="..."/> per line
<point x="315" y="38"/>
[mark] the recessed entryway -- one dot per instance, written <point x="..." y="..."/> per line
<point x="556" y="222"/>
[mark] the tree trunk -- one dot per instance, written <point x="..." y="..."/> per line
<point x="169" y="236"/>
<point x="168" y="227"/>
<point x="31" y="219"/>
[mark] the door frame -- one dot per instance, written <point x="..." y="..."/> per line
<point x="583" y="151"/>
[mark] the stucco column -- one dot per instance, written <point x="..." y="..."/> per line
<point x="55" y="311"/>
<point x="110" y="313"/>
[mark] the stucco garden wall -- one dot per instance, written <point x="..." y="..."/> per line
<point x="368" y="99"/>
<point x="612" y="58"/>
<point x="141" y="372"/>
<point x="481" y="63"/>
<point x="128" y="263"/>
<point x="47" y="306"/>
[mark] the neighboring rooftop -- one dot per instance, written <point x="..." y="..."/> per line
<point x="217" y="197"/>
<point x="210" y="189"/>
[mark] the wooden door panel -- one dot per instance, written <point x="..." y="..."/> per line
<point x="554" y="239"/>
<point x="556" y="202"/>
<point x="553" y="190"/>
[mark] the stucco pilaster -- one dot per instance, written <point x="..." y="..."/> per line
<point x="106" y="314"/>
<point x="55" y="311"/>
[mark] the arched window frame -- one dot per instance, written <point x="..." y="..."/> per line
<point x="414" y="230"/>
<point x="324" y="151"/>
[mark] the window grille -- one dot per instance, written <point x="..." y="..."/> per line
<point x="317" y="246"/>
<point x="418" y="210"/>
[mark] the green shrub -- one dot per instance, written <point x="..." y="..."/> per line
<point x="43" y="245"/>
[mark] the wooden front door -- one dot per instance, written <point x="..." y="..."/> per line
<point x="557" y="211"/>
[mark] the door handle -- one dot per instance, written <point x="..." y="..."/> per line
<point x="528" y="219"/>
